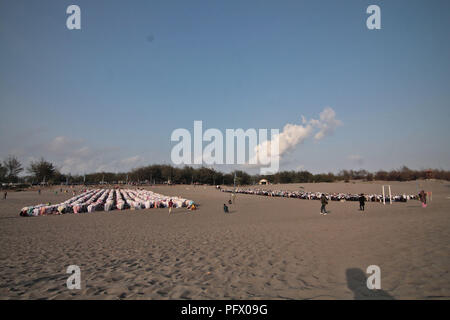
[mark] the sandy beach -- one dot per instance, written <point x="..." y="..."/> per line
<point x="266" y="248"/>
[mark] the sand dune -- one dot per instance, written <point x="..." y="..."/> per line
<point x="266" y="248"/>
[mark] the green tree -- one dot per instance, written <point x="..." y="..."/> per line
<point x="42" y="169"/>
<point x="13" y="168"/>
<point x="3" y="172"/>
<point x="242" y="178"/>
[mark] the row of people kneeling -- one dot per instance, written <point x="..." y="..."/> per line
<point x="316" y="195"/>
<point x="107" y="200"/>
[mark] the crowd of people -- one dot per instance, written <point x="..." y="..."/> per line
<point x="107" y="200"/>
<point x="318" y="195"/>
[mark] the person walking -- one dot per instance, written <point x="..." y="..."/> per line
<point x="324" y="201"/>
<point x="225" y="208"/>
<point x="5" y="194"/>
<point x="170" y="206"/>
<point x="362" y="201"/>
<point x="423" y="198"/>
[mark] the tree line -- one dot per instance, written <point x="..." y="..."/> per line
<point x="44" y="171"/>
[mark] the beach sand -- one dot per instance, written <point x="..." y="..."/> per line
<point x="266" y="248"/>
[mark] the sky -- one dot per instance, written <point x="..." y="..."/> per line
<point x="108" y="97"/>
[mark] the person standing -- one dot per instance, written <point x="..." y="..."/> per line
<point x="423" y="198"/>
<point x="225" y="208"/>
<point x="362" y="201"/>
<point x="5" y="194"/>
<point x="324" y="201"/>
<point x="170" y="206"/>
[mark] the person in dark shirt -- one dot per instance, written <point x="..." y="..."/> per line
<point x="362" y="201"/>
<point x="324" y="201"/>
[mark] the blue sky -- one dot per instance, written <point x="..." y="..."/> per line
<point x="108" y="96"/>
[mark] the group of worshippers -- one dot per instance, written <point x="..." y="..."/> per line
<point x="318" y="195"/>
<point x="107" y="200"/>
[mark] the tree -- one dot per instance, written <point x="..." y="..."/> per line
<point x="167" y="172"/>
<point x="13" y="168"/>
<point x="381" y="175"/>
<point x="2" y="172"/>
<point x="42" y="170"/>
<point x="242" y="178"/>
<point x="304" y="176"/>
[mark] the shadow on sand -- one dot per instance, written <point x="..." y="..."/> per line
<point x="357" y="282"/>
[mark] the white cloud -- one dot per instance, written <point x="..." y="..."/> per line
<point x="78" y="157"/>
<point x="295" y="134"/>
<point x="356" y="158"/>
<point x="327" y="123"/>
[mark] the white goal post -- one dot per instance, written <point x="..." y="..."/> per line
<point x="390" y="194"/>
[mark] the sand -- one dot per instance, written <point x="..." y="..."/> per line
<point x="266" y="248"/>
